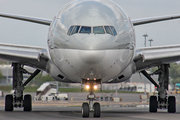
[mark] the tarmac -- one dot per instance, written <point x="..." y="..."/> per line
<point x="71" y="110"/>
<point x="73" y="113"/>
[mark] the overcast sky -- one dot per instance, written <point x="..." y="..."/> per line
<point x="25" y="33"/>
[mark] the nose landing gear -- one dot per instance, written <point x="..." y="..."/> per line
<point x="90" y="107"/>
<point x="85" y="110"/>
<point x="97" y="109"/>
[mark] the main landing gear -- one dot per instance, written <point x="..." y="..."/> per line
<point x="17" y="100"/>
<point x="90" y="107"/>
<point x="162" y="102"/>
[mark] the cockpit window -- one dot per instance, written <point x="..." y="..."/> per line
<point x="113" y="30"/>
<point x="70" y="30"/>
<point x="108" y="30"/>
<point x="85" y="30"/>
<point x="76" y="29"/>
<point x="98" y="30"/>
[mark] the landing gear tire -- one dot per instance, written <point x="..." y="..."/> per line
<point x="85" y="110"/>
<point x="97" y="110"/>
<point x="9" y="103"/>
<point x="153" y="104"/>
<point x="171" y="104"/>
<point x="27" y="103"/>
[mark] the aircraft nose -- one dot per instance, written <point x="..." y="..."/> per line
<point x="91" y="57"/>
<point x="93" y="43"/>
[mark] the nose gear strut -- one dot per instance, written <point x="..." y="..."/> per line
<point x="90" y="107"/>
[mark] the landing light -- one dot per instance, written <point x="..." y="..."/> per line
<point x="95" y="87"/>
<point x="87" y="86"/>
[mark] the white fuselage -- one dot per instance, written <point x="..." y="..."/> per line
<point x="92" y="56"/>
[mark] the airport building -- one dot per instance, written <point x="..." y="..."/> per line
<point x="137" y="83"/>
<point x="6" y="71"/>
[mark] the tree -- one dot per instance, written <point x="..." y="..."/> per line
<point x="47" y="78"/>
<point x="39" y="79"/>
<point x="176" y="80"/>
<point x="174" y="73"/>
<point x="1" y="76"/>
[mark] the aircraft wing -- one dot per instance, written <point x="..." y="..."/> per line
<point x="153" y="56"/>
<point x="48" y="22"/>
<point x="27" y="18"/>
<point x="154" y="19"/>
<point x="36" y="57"/>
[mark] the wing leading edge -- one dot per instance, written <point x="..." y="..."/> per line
<point x="26" y="18"/>
<point x="48" y="22"/>
<point x="155" y="56"/>
<point x="36" y="57"/>
<point x="154" y="19"/>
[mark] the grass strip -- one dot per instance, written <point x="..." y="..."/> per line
<point x="62" y="90"/>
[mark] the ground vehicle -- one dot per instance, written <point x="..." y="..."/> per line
<point x="55" y="96"/>
<point x="177" y="87"/>
<point x="48" y="91"/>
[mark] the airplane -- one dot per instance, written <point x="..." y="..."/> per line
<point x="91" y="42"/>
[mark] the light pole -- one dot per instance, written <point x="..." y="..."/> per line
<point x="7" y="80"/>
<point x="150" y="41"/>
<point x="145" y="36"/>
